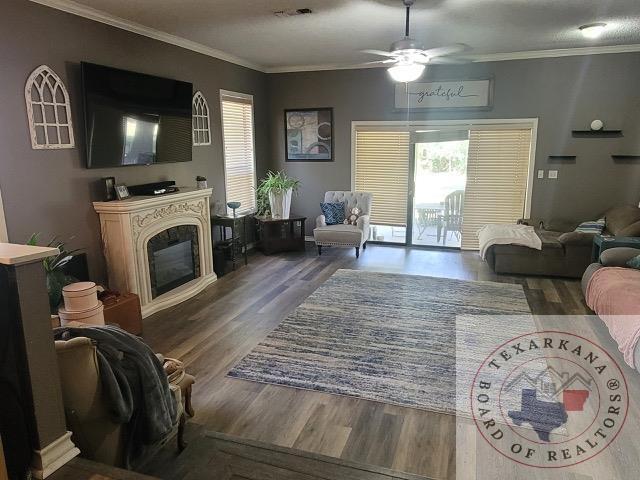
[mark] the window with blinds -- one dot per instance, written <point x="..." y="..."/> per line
<point x="239" y="155"/>
<point x="497" y="179"/>
<point x="382" y="168"/>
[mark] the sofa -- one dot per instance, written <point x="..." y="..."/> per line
<point x="341" y="235"/>
<point x="565" y="252"/>
<point x="87" y="410"/>
<point x="612" y="290"/>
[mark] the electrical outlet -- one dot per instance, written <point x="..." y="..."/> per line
<point x="553" y="174"/>
<point x="540" y="173"/>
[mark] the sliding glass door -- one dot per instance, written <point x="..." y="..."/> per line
<point x="436" y="186"/>
<point x="439" y="179"/>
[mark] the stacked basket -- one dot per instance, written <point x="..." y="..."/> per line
<point x="81" y="304"/>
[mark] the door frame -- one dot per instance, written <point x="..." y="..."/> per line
<point x="411" y="126"/>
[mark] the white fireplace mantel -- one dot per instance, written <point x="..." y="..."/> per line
<point x="127" y="225"/>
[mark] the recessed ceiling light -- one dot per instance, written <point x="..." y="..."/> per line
<point x="593" y="30"/>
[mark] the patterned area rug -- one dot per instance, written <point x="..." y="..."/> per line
<point x="378" y="336"/>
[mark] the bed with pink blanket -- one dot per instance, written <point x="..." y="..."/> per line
<point x="613" y="293"/>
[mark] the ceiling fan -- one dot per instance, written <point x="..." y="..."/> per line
<point x="409" y="57"/>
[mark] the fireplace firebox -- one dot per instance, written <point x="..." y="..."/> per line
<point x="174" y="258"/>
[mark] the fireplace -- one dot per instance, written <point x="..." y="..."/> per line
<point x="173" y="258"/>
<point x="158" y="247"/>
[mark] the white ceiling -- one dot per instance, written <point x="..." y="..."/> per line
<point x="247" y="31"/>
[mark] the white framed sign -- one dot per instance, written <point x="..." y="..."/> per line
<point x="446" y="94"/>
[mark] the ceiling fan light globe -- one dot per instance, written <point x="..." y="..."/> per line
<point x="406" y="72"/>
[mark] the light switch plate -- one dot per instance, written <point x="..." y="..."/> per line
<point x="540" y="173"/>
<point x="553" y="174"/>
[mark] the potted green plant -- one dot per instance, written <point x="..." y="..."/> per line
<point x="277" y="188"/>
<point x="56" y="278"/>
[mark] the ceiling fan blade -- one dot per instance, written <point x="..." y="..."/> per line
<point x="447" y="50"/>
<point x="450" y="60"/>
<point x="377" y="62"/>
<point x="379" y="52"/>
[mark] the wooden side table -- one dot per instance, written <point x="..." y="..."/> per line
<point x="280" y="234"/>
<point x="605" y="242"/>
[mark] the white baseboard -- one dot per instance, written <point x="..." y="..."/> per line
<point x="53" y="456"/>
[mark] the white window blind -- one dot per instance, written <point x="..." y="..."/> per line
<point x="382" y="168"/>
<point x="497" y="177"/>
<point x="239" y="155"/>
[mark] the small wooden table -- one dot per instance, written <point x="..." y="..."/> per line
<point x="280" y="234"/>
<point x="602" y="243"/>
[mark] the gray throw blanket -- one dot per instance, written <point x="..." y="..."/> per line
<point x="135" y="383"/>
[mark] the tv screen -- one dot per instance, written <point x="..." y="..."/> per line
<point x="135" y="119"/>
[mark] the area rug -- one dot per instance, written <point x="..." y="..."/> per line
<point x="384" y="337"/>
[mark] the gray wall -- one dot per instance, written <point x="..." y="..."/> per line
<point x="51" y="191"/>
<point x="564" y="93"/>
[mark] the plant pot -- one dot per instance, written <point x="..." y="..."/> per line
<point x="280" y="203"/>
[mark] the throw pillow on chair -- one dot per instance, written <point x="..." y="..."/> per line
<point x="333" y="212"/>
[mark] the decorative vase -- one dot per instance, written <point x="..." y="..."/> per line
<point x="280" y="203"/>
<point x="201" y="182"/>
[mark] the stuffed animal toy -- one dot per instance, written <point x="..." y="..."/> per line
<point x="352" y="218"/>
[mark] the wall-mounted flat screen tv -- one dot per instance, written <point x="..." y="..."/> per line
<point x="135" y="119"/>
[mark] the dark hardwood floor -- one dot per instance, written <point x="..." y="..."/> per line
<point x="213" y="331"/>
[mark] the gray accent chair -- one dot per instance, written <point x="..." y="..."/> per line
<point x="341" y="235"/>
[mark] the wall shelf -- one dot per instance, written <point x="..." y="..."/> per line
<point x="625" y="157"/>
<point x="596" y="133"/>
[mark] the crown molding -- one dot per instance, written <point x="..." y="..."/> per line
<point x="80" y="10"/>
<point x="490" y="57"/>
<point x="555" y="53"/>
<point x="320" y="68"/>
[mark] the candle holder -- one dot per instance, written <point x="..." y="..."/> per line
<point x="234" y="206"/>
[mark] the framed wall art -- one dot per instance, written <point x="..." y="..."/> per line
<point x="309" y="135"/>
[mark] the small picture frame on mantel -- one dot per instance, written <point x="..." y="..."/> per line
<point x="308" y="135"/>
<point x="109" y="188"/>
<point x="122" y="192"/>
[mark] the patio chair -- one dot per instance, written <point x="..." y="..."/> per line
<point x="451" y="219"/>
<point x="427" y="217"/>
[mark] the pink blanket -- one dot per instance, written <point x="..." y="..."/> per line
<point x="614" y="294"/>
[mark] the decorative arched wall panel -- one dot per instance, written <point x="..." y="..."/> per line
<point x="48" y="110"/>
<point x="201" y="130"/>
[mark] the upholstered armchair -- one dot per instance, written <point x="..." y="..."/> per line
<point x="87" y="409"/>
<point x="341" y="235"/>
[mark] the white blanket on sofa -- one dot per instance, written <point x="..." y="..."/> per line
<point x="524" y="235"/>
